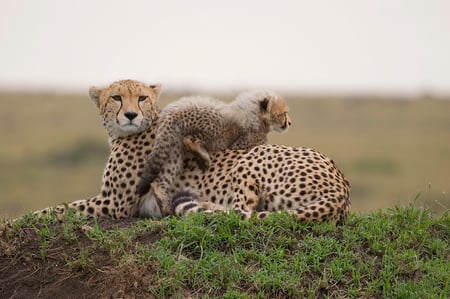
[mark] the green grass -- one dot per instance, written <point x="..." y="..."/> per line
<point x="399" y="253"/>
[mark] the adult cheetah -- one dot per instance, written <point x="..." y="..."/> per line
<point x="130" y="115"/>
<point x="205" y="125"/>
<point x="266" y="179"/>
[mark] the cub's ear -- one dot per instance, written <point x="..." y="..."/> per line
<point x="156" y="89"/>
<point x="94" y="94"/>
<point x="264" y="104"/>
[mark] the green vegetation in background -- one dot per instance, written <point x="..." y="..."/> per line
<point x="54" y="148"/>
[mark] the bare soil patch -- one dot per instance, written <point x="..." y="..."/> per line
<point x="24" y="273"/>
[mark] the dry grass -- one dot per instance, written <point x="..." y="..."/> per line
<point x="54" y="148"/>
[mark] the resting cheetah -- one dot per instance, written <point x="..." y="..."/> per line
<point x="206" y="125"/>
<point x="130" y="114"/>
<point x="265" y="179"/>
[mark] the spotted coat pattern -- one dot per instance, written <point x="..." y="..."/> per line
<point x="260" y="181"/>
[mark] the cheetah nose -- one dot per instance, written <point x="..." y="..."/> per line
<point x="130" y="115"/>
<point x="286" y="125"/>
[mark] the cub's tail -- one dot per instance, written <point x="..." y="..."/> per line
<point x="185" y="202"/>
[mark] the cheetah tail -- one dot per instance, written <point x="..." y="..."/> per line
<point x="184" y="202"/>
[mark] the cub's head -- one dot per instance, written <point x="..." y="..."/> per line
<point x="270" y="108"/>
<point x="127" y="107"/>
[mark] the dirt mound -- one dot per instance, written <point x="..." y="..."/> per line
<point x="401" y="253"/>
<point x="34" y="266"/>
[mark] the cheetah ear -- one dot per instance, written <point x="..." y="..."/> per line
<point x="156" y="89"/>
<point x="264" y="104"/>
<point x="94" y="94"/>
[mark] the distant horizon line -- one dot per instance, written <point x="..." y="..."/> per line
<point x="348" y="93"/>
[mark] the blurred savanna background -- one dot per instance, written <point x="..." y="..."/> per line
<point x="368" y="84"/>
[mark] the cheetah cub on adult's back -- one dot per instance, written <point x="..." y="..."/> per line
<point x="204" y="125"/>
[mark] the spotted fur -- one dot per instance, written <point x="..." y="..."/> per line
<point x="130" y="114"/>
<point x="259" y="181"/>
<point x="264" y="180"/>
<point x="205" y="125"/>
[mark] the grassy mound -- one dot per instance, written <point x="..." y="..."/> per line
<point x="401" y="253"/>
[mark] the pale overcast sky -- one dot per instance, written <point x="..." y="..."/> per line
<point x="337" y="45"/>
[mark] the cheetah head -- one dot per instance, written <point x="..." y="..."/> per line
<point x="127" y="107"/>
<point x="274" y="111"/>
<point x="271" y="109"/>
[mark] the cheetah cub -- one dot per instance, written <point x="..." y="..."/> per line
<point x="204" y="125"/>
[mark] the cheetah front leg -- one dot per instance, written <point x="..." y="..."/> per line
<point x="60" y="211"/>
<point x="97" y="206"/>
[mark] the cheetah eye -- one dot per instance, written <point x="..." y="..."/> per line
<point x="142" y="98"/>
<point x="117" y="98"/>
